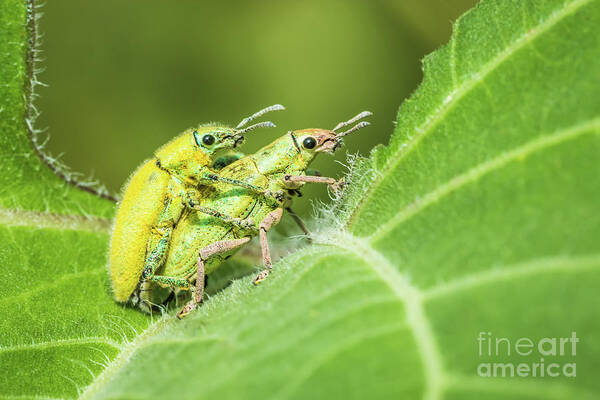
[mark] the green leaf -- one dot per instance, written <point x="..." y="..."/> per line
<point x="59" y="325"/>
<point x="479" y="216"/>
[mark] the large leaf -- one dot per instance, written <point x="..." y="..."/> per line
<point x="479" y="216"/>
<point x="59" y="325"/>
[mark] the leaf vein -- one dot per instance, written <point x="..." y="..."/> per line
<point x="531" y="267"/>
<point x="472" y="175"/>
<point x="415" y="312"/>
<point x="45" y="220"/>
<point x="58" y="343"/>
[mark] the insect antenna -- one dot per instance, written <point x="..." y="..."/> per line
<point x="266" y="124"/>
<point x="352" y="120"/>
<point x="274" y="107"/>
<point x="356" y="127"/>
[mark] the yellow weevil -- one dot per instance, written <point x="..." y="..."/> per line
<point x="157" y="193"/>
<point x="226" y="217"/>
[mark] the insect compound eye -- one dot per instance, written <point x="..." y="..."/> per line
<point x="208" y="140"/>
<point x="309" y="142"/>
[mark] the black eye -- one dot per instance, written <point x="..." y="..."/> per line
<point x="208" y="139"/>
<point x="309" y="142"/>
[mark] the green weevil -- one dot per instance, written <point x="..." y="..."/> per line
<point x="156" y="195"/>
<point x="226" y="217"/>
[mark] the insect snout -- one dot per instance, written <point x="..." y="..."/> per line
<point x="331" y="140"/>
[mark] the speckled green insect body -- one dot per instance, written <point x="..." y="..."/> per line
<point x="224" y="217"/>
<point x="157" y="195"/>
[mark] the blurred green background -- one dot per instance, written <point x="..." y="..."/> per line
<point x="126" y="76"/>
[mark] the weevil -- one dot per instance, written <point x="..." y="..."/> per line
<point x="156" y="195"/>
<point x="226" y="217"/>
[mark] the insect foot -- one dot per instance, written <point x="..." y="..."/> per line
<point x="261" y="277"/>
<point x="337" y="187"/>
<point x="188" y="308"/>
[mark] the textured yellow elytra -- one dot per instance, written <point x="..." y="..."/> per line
<point x="141" y="204"/>
<point x="143" y="200"/>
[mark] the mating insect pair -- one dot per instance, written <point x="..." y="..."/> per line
<point x="187" y="210"/>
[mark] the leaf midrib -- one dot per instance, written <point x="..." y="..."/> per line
<point x="411" y="297"/>
<point x="437" y="379"/>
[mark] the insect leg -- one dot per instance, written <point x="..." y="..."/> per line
<point x="244" y="224"/>
<point x="210" y="178"/>
<point x="157" y="247"/>
<point x="160" y="234"/>
<point x="309" y="179"/>
<point x="205" y="253"/>
<point x="159" y="241"/>
<point x="333" y="184"/>
<point x="156" y="252"/>
<point x="300" y="223"/>
<point x="271" y="219"/>
<point x="171" y="282"/>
